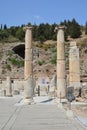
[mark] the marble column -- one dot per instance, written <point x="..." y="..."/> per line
<point x="61" y="84"/>
<point x="74" y="66"/>
<point x="28" y="68"/>
<point x="8" y="87"/>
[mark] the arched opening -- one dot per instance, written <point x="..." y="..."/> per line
<point x="20" y="50"/>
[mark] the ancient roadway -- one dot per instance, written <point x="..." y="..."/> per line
<point x="44" y="115"/>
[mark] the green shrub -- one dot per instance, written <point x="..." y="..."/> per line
<point x="41" y="62"/>
<point x="0" y="56"/>
<point x="54" y="59"/>
<point x="12" y="39"/>
<point x="54" y="49"/>
<point x="8" y="67"/>
<point x="3" y="71"/>
<point x="10" y="53"/>
<point x="19" y="63"/>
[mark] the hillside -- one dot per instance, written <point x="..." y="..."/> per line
<point x="12" y="63"/>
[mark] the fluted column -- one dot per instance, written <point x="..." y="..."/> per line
<point x="61" y="86"/>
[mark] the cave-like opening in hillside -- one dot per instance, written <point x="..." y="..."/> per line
<point x="20" y="50"/>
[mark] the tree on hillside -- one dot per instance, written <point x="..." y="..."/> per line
<point x="35" y="32"/>
<point x="41" y="32"/>
<point x="74" y="29"/>
<point x="4" y="35"/>
<point x="5" y="27"/>
<point x="29" y="24"/>
<point x="65" y="23"/>
<point x="47" y="32"/>
<point x="1" y="27"/>
<point x="86" y="28"/>
<point x="53" y="33"/>
<point x="13" y="30"/>
<point x="20" y="34"/>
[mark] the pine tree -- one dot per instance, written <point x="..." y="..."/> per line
<point x="86" y="28"/>
<point x="74" y="29"/>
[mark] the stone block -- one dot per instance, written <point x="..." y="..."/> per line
<point x="84" y="92"/>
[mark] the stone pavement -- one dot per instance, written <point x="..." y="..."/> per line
<point x="39" y="116"/>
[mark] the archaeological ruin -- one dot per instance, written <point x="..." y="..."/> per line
<point x="35" y="82"/>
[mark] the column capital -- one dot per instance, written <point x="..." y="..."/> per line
<point x="60" y="28"/>
<point x="27" y="28"/>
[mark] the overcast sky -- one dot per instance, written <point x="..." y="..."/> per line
<point x="17" y="12"/>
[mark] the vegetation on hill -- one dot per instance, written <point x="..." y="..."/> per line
<point x="41" y="32"/>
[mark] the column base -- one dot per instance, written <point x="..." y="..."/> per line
<point x="9" y="95"/>
<point x="69" y="113"/>
<point x="29" y="101"/>
<point x="60" y="105"/>
<point x="61" y="100"/>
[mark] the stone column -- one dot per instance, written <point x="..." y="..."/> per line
<point x="74" y="66"/>
<point x="8" y="87"/>
<point x="61" y="85"/>
<point x="28" y="68"/>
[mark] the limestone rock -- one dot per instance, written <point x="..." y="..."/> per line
<point x="84" y="92"/>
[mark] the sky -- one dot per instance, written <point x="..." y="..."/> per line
<point x="18" y="12"/>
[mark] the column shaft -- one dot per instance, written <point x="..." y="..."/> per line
<point x="61" y="87"/>
<point x="28" y="68"/>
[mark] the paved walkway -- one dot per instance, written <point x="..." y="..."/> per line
<point x="39" y="116"/>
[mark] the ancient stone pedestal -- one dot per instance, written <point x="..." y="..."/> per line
<point x="61" y="85"/>
<point x="29" y="90"/>
<point x="8" y="87"/>
<point x="16" y="89"/>
<point x="53" y="85"/>
<point x="28" y="68"/>
<point x="74" y="66"/>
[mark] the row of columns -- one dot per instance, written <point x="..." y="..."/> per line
<point x="61" y="72"/>
<point x="74" y="66"/>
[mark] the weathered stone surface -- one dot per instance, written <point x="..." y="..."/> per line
<point x="2" y="92"/>
<point x="29" y="81"/>
<point x="77" y="92"/>
<point x="53" y="86"/>
<point x="74" y="66"/>
<point x="8" y="87"/>
<point x="16" y="85"/>
<point x="84" y="92"/>
<point x="29" y="88"/>
<point x="28" y="68"/>
<point x="34" y="117"/>
<point x="61" y="84"/>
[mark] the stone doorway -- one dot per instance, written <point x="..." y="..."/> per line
<point x="42" y="86"/>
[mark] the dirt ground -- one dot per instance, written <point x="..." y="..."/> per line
<point x="78" y="108"/>
<point x="80" y="111"/>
